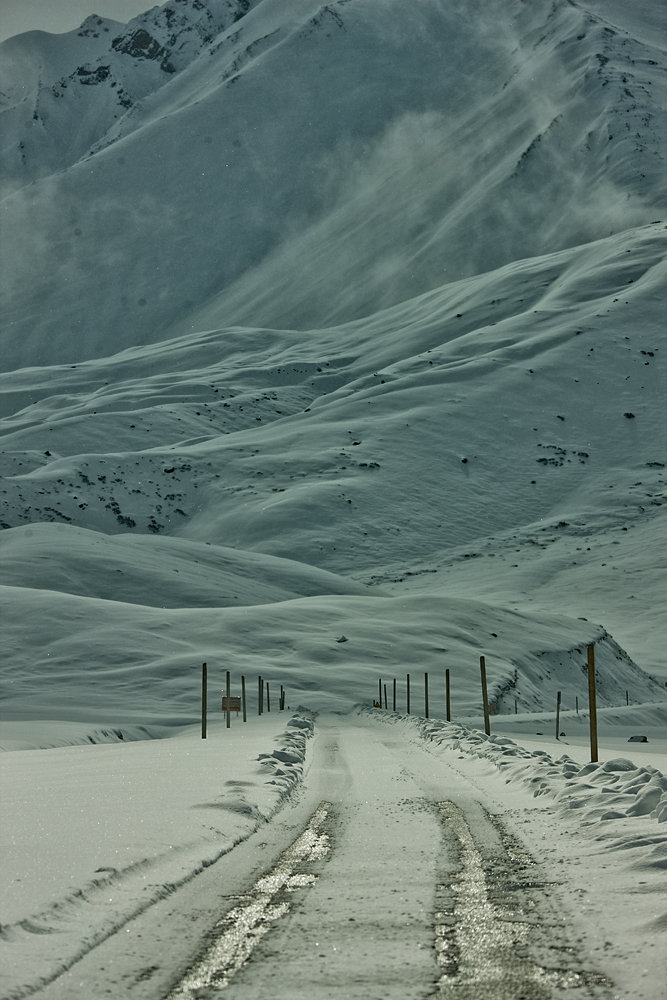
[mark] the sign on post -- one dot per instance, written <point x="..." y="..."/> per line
<point x="231" y="704"/>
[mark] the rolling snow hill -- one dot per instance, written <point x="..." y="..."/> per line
<point x="333" y="321"/>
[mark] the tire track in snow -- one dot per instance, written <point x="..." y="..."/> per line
<point x="239" y="931"/>
<point x="457" y="913"/>
<point x="490" y="933"/>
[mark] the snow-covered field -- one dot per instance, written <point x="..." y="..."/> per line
<point x="332" y="347"/>
<point x="105" y="845"/>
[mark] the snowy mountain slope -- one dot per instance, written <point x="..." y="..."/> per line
<point x="306" y="162"/>
<point x="164" y="572"/>
<point x="61" y="94"/>
<point x="103" y="662"/>
<point x="332" y="343"/>
<point x="357" y="311"/>
<point x="263" y="439"/>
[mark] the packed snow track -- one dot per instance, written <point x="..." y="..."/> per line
<point x="385" y="875"/>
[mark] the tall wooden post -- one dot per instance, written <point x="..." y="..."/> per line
<point x="558" y="700"/>
<point x="268" y="698"/>
<point x="485" y="697"/>
<point x="394" y="694"/>
<point x="203" y="701"/>
<point x="380" y="692"/>
<point x="385" y="695"/>
<point x="228" y="690"/>
<point x="408" y="693"/>
<point x="448" y="700"/>
<point x="426" y="695"/>
<point x="243" y="705"/>
<point x="260" y="695"/>
<point x="592" y="703"/>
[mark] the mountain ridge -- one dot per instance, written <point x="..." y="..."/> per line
<point x="269" y="192"/>
<point x="364" y="303"/>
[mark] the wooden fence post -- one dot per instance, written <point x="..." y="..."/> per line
<point x="268" y="698"/>
<point x="394" y="694"/>
<point x="485" y="698"/>
<point x="203" y="701"/>
<point x="448" y="701"/>
<point x="558" y="700"/>
<point x="245" y="718"/>
<point x="229" y="699"/>
<point x="408" y="694"/>
<point x="260" y="695"/>
<point x="379" y="692"/>
<point x="592" y="703"/>
<point x="426" y="695"/>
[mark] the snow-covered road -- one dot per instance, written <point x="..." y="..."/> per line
<point x="421" y="892"/>
<point x="393" y="870"/>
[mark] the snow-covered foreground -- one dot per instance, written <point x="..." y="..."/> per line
<point x="333" y="344"/>
<point x="122" y="861"/>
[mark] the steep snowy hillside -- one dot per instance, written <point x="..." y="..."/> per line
<point x="60" y="95"/>
<point x="334" y="320"/>
<point x="314" y="163"/>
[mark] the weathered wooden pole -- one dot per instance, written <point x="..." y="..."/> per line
<point x="385" y="696"/>
<point x="408" y="693"/>
<point x="203" y="701"/>
<point x="448" y="699"/>
<point x="558" y="700"/>
<point x="426" y="695"/>
<point x="379" y="692"/>
<point x="485" y="697"/>
<point x="394" y="694"/>
<point x="592" y="703"/>
<point x="228" y="688"/>
<point x="268" y="698"/>
<point x="245" y="717"/>
<point x="260" y="695"/>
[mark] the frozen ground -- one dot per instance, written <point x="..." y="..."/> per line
<point x="333" y="351"/>
<point x="120" y="860"/>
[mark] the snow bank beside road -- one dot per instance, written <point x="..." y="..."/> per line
<point x="608" y="790"/>
<point x="598" y="832"/>
<point x="94" y="835"/>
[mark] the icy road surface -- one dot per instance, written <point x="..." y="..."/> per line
<point x="386" y="875"/>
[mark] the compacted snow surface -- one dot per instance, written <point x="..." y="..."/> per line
<point x="332" y="352"/>
<point x="442" y="863"/>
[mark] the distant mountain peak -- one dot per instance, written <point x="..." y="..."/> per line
<point x="94" y="26"/>
<point x="60" y="101"/>
<point x="140" y="44"/>
<point x="175" y="34"/>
